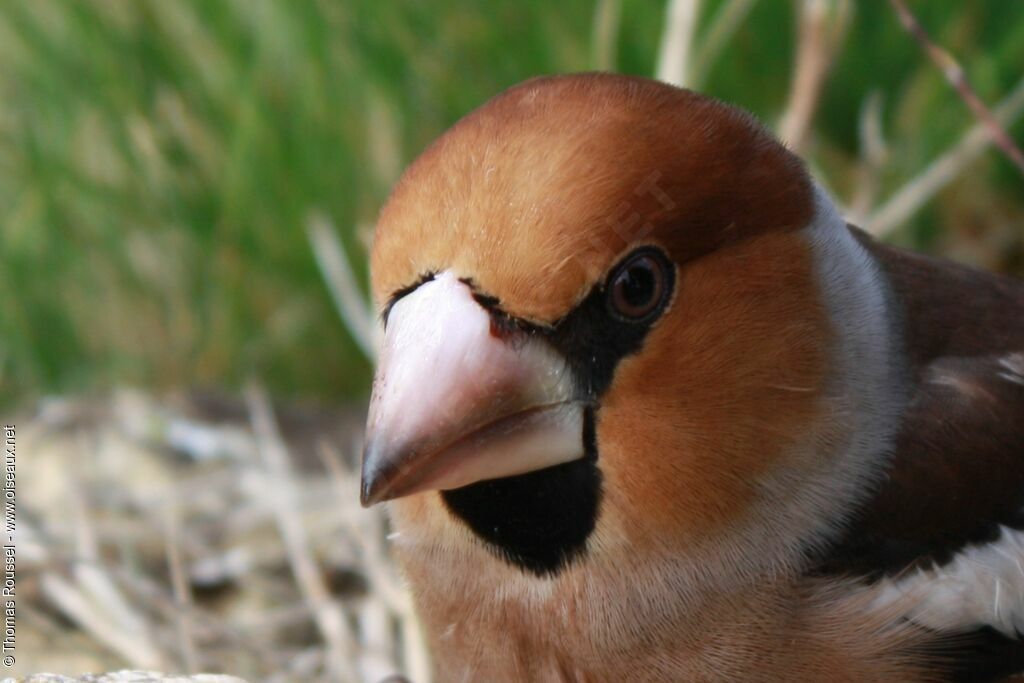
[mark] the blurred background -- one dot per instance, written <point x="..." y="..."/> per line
<point x="187" y="192"/>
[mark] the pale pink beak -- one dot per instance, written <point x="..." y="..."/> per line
<point x="455" y="401"/>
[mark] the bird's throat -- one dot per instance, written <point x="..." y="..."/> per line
<point x="539" y="521"/>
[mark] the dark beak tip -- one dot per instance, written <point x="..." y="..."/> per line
<point x="368" y="485"/>
<point x="372" y="483"/>
<point x="380" y="479"/>
<point x="371" y="494"/>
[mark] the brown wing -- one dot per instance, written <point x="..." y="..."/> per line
<point x="957" y="472"/>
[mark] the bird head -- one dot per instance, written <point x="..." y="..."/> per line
<point x="616" y="324"/>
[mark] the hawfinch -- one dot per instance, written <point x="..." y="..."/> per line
<point x="648" y="409"/>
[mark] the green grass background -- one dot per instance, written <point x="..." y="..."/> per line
<point x="159" y="158"/>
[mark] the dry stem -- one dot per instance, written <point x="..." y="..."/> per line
<point x="957" y="78"/>
<point x="334" y="628"/>
<point x="677" y="41"/>
<point x="605" y="34"/>
<point x="818" y="42"/>
<point x="914" y="194"/>
<point x="341" y="282"/>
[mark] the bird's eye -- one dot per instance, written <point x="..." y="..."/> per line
<point x="638" y="288"/>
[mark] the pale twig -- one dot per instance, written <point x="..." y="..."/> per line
<point x="605" y="34"/>
<point x="377" y="651"/>
<point x="94" y="590"/>
<point x="384" y="583"/>
<point x="141" y="588"/>
<point x="341" y="283"/>
<point x="155" y="595"/>
<point x="906" y="201"/>
<point x="722" y="27"/>
<point x="873" y="155"/>
<point x="68" y="598"/>
<point x="367" y="528"/>
<point x="957" y="77"/>
<point x="414" y="649"/>
<point x="821" y="26"/>
<point x="339" y="641"/>
<point x="377" y="657"/>
<point x="677" y="41"/>
<point x="181" y="588"/>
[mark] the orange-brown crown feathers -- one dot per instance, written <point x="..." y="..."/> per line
<point x="537" y="192"/>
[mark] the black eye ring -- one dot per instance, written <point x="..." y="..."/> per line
<point x="640" y="286"/>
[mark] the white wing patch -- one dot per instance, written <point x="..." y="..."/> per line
<point x="1012" y="368"/>
<point x="981" y="586"/>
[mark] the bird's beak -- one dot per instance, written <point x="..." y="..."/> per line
<point x="456" y="400"/>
